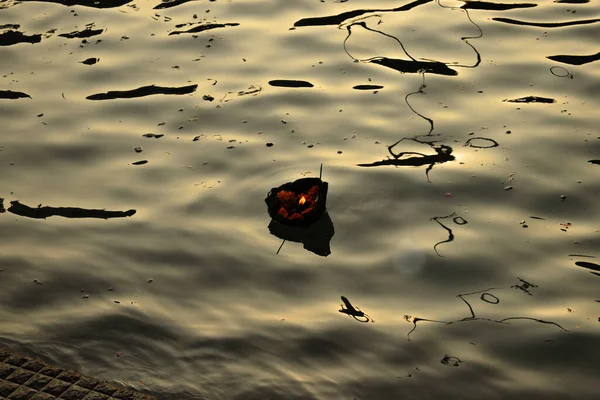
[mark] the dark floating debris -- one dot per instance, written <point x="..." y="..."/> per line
<point x="524" y="286"/>
<point x="367" y="87"/>
<point x="90" y="61"/>
<point x="531" y="99"/>
<point x="486" y="5"/>
<point x="2" y="209"/>
<point x="10" y="38"/>
<point x="575" y="60"/>
<point x="414" y="67"/>
<point x="141" y="162"/>
<point x="547" y="24"/>
<point x="572" y="1"/>
<point x="597" y="162"/>
<point x="563" y="72"/>
<point x="451" y="361"/>
<point x="442" y="154"/>
<point x="493" y="143"/>
<point x="354" y="312"/>
<point x="142" y="91"/>
<point x="339" y="18"/>
<point x="85" y="3"/>
<point x="82" y="34"/>
<point x="252" y="90"/>
<point x="170" y="3"/>
<point x="290" y="83"/>
<point x="208" y="97"/>
<point x="489" y="298"/>
<point x="205" y="27"/>
<point x="67" y="212"/>
<point x="585" y="264"/>
<point x="9" y="94"/>
<point x="153" y="135"/>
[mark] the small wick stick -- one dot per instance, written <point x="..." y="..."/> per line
<point x="282" y="243"/>
<point x="321" y="172"/>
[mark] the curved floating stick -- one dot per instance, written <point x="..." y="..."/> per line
<point x="486" y="297"/>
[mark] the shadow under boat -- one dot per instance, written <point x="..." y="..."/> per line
<point x="316" y="238"/>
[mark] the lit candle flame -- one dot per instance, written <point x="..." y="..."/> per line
<point x="302" y="200"/>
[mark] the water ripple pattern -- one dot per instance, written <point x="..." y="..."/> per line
<point x="458" y="254"/>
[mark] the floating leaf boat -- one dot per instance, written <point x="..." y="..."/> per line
<point x="300" y="203"/>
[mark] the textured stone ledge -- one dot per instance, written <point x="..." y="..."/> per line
<point x="26" y="378"/>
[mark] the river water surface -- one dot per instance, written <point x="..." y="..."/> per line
<point x="461" y="145"/>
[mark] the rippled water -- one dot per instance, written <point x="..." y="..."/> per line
<point x="480" y="279"/>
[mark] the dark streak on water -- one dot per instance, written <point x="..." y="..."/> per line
<point x="588" y="265"/>
<point x="67" y="212"/>
<point x="486" y="5"/>
<point x="546" y="24"/>
<point x="205" y="27"/>
<point x="597" y="162"/>
<point x="141" y="162"/>
<point x="85" y="3"/>
<point x="13" y="37"/>
<point x="531" y="99"/>
<point x="153" y="135"/>
<point x="142" y="91"/>
<point x="290" y="83"/>
<point x="367" y="87"/>
<point x="572" y="1"/>
<point x="406" y="66"/>
<point x="9" y="94"/>
<point x="169" y="4"/>
<point x="339" y="18"/>
<point x="82" y="34"/>
<point x="575" y="60"/>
